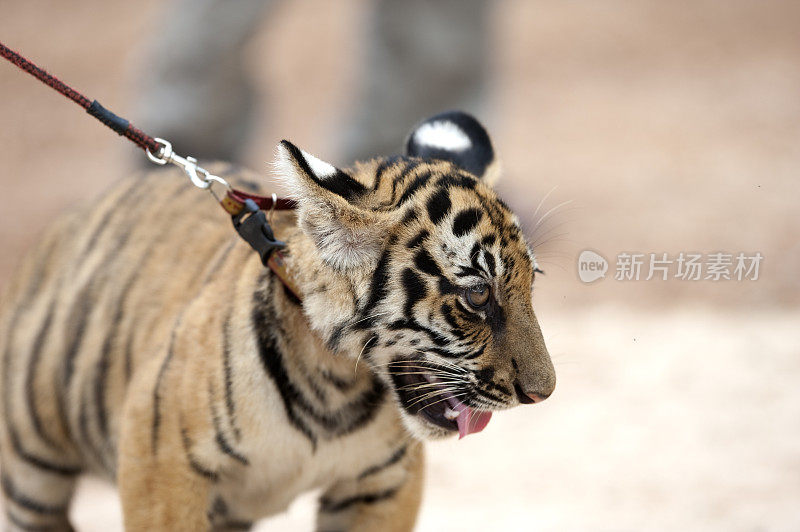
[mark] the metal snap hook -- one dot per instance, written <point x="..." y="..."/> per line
<point x="195" y="172"/>
<point x="199" y="176"/>
<point x="164" y="155"/>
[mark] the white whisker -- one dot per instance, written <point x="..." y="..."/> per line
<point x="371" y="338"/>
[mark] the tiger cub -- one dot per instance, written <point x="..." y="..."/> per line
<point x="144" y="341"/>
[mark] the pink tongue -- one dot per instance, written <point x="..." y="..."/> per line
<point x="470" y="421"/>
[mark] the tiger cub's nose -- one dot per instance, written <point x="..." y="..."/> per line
<point x="528" y="398"/>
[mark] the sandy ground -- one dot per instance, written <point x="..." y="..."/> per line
<point x="667" y="126"/>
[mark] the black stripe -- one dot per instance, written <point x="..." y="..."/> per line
<point x="467" y="271"/>
<point x="30" y="376"/>
<point x="394" y="192"/>
<point x="490" y="262"/>
<point x="378" y="291"/>
<point x="132" y="329"/>
<point x="103" y="224"/>
<point x="83" y="424"/>
<point x="426" y="263"/>
<point x="340" y="384"/>
<point x="78" y="320"/>
<point x="438" y="205"/>
<point x="475" y="354"/>
<point x="365" y="407"/>
<point x="33" y="460"/>
<point x="464" y="181"/>
<point x="411" y="215"/>
<point x="273" y="364"/>
<point x="157" y="390"/>
<point x="32" y="505"/>
<point x="19" y="523"/>
<point x="414" y="186"/>
<point x="128" y="354"/>
<point x="329" y="506"/>
<point x="466" y="314"/>
<point x="347" y="418"/>
<point x="336" y="336"/>
<point x="492" y="385"/>
<point x="410" y="166"/>
<point x="340" y="183"/>
<point x="503" y="204"/>
<point x="314" y="386"/>
<point x="415" y="290"/>
<point x="446" y="287"/>
<point x="228" y="376"/>
<point x="393" y="459"/>
<point x="492" y="396"/>
<point x="103" y="363"/>
<point x="41" y="463"/>
<point x="474" y="255"/>
<point x="196" y="466"/>
<point x="417" y="240"/>
<point x="446" y="353"/>
<point x="496" y="317"/>
<point x="414" y="325"/>
<point x="343" y="185"/>
<point x="465" y="221"/>
<point x="219" y="437"/>
<point x="381" y="170"/>
<point x="447" y="312"/>
<point x="485" y="375"/>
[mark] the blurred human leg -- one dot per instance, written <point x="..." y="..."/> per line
<point x="196" y="92"/>
<point x="421" y="57"/>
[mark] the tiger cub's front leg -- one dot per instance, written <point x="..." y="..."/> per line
<point x="386" y="497"/>
<point x="161" y="486"/>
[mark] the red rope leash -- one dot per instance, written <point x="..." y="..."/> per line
<point x="246" y="209"/>
<point x="118" y="124"/>
<point x="158" y="150"/>
<point x="44" y="77"/>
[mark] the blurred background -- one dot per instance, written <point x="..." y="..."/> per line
<point x="644" y="127"/>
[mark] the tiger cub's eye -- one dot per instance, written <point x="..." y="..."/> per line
<point x="478" y="296"/>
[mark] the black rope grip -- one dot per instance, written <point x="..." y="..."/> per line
<point x="252" y="226"/>
<point x="117" y="123"/>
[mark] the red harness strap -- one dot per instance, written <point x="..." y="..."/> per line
<point x="245" y="209"/>
<point x="265" y="203"/>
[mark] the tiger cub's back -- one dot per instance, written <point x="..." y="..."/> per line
<point x="88" y="305"/>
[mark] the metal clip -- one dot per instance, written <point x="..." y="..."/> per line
<point x="200" y="177"/>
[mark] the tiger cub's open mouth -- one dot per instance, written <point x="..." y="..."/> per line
<point x="435" y="400"/>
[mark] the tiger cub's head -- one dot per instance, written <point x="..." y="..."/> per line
<point x="413" y="265"/>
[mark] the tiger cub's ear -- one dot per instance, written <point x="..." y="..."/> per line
<point x="459" y="138"/>
<point x="347" y="236"/>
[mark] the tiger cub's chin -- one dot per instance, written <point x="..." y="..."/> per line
<point x="421" y="429"/>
